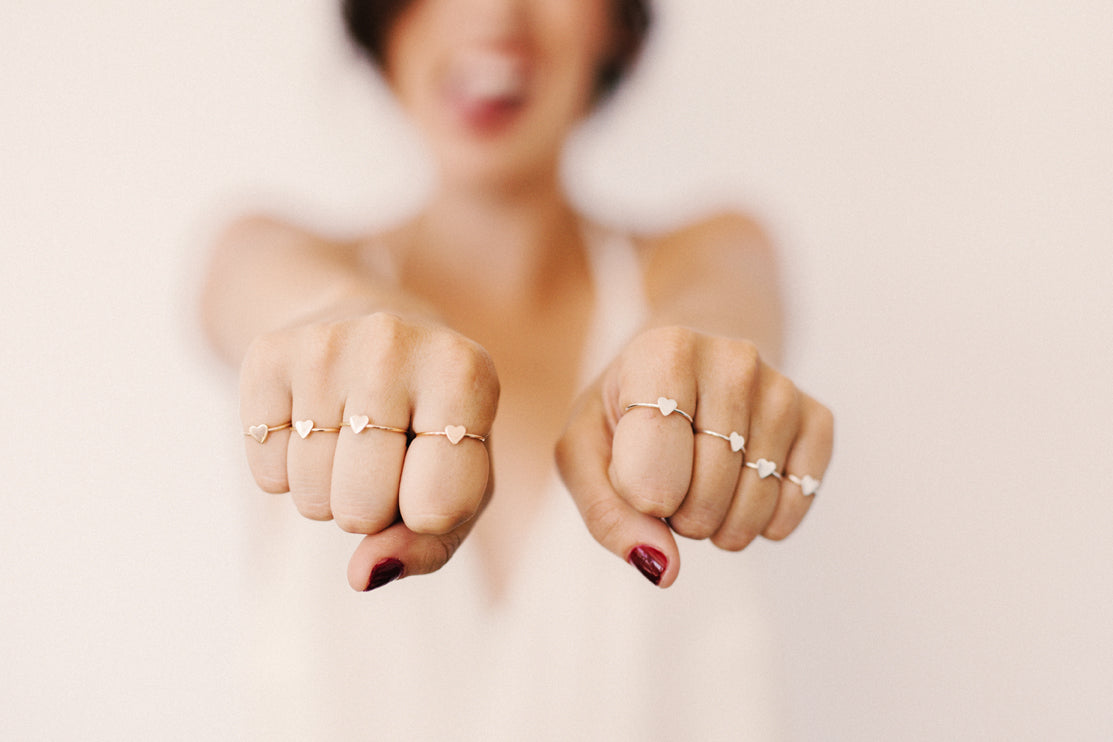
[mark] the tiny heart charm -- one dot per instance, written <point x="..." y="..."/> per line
<point x="666" y="405"/>
<point x="358" y="423"/>
<point x="304" y="427"/>
<point x="737" y="442"/>
<point x="809" y="485"/>
<point x="259" y="432"/>
<point x="455" y="433"/>
<point x="765" y="467"/>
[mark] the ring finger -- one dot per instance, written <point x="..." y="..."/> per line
<point x="367" y="465"/>
<point x="772" y="429"/>
<point x="309" y="455"/>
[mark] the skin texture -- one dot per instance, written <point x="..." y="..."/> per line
<point x="483" y="326"/>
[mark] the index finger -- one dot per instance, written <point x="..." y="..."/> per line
<point x="582" y="455"/>
<point x="653" y="439"/>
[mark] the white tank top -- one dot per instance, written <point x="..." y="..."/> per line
<point x="581" y="648"/>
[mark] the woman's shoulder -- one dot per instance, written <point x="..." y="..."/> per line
<point x="372" y="249"/>
<point x="266" y="229"/>
<point x="726" y="228"/>
<point x="721" y="243"/>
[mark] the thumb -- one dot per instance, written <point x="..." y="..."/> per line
<point x="398" y="552"/>
<point x="583" y="457"/>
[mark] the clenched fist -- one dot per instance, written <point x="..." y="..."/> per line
<point x="697" y="433"/>
<point x="379" y="424"/>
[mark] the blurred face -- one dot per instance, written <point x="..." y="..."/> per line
<point x="497" y="85"/>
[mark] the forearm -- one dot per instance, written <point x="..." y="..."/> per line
<point x="265" y="276"/>
<point x="719" y="278"/>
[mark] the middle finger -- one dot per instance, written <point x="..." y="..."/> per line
<point x="773" y="426"/>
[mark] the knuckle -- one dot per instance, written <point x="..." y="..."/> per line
<point x="674" y="337"/>
<point x="742" y="363"/>
<point x="321" y="346"/>
<point x="604" y="520"/>
<point x="781" y="401"/>
<point x="673" y="345"/>
<point x="824" y="425"/>
<point x="694" y="525"/>
<point x="364" y="524"/>
<point x="271" y="482"/>
<point x="310" y="497"/>
<point x="384" y="325"/>
<point x="440" y="523"/>
<point x="654" y="502"/>
<point x="445" y="547"/>
<point x="733" y="539"/>
<point x="467" y="366"/>
<point x="385" y="337"/>
<point x="779" y="529"/>
<point x="262" y="355"/>
<point x="313" y="509"/>
<point x="785" y="521"/>
<point x="650" y="493"/>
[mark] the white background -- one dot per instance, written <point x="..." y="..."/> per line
<point x="940" y="179"/>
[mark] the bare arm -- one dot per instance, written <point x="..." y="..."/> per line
<point x="718" y="276"/>
<point x="354" y="402"/>
<point x="266" y="275"/>
<point x="729" y="448"/>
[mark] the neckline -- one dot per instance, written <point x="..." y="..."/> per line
<point x="619" y="309"/>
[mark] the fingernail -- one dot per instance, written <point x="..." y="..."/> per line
<point x="388" y="570"/>
<point x="649" y="562"/>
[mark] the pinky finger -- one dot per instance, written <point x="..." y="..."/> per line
<point x="804" y="469"/>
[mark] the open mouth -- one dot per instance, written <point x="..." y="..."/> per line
<point x="487" y="90"/>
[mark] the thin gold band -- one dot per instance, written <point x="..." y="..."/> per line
<point x="260" y="432"/>
<point x="454" y="434"/>
<point x="362" y="423"/>
<point x="808" y="485"/>
<point x="759" y="467"/>
<point x="660" y="405"/>
<point x="737" y="441"/>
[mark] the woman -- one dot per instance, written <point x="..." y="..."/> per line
<point x="372" y="372"/>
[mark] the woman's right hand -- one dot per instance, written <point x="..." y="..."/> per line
<point x="414" y="497"/>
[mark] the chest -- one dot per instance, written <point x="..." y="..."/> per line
<point x="538" y="359"/>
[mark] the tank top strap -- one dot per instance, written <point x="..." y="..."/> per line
<point x="620" y="302"/>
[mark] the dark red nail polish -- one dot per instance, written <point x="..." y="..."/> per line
<point x="388" y="570"/>
<point x="649" y="562"/>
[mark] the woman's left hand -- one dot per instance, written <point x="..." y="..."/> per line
<point x="746" y="464"/>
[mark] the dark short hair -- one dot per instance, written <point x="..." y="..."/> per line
<point x="369" y="23"/>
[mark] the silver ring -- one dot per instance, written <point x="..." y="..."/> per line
<point x="360" y="423"/>
<point x="736" y="440"/>
<point x="260" y="432"/>
<point x="764" y="468"/>
<point x="454" y="434"/>
<point x="808" y="485"/>
<point x="305" y="427"/>
<point x="665" y="405"/>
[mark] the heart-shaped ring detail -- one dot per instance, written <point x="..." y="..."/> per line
<point x="765" y="467"/>
<point x="455" y="433"/>
<point x="259" y="432"/>
<point x="358" y="423"/>
<point x="809" y="485"/>
<point x="304" y="427"/>
<point x="666" y="406"/>
<point x="737" y="442"/>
